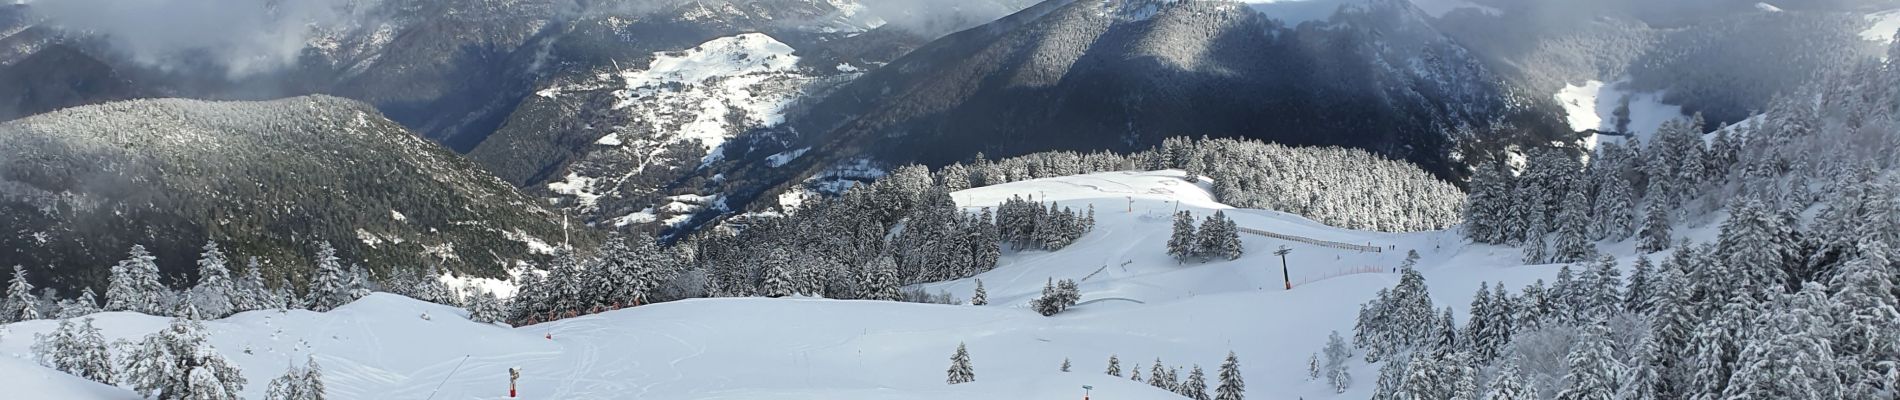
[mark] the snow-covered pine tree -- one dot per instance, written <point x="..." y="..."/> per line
<point x="1639" y="297"/>
<point x="86" y="304"/>
<point x="980" y="297"/>
<point x="960" y="371"/>
<point x="313" y="388"/>
<point x="252" y="293"/>
<point x="778" y="278"/>
<point x="1195" y="388"/>
<point x="1615" y="207"/>
<point x="1476" y="327"/>
<point x="1114" y="366"/>
<point x="1601" y="286"/>
<point x="1508" y="384"/>
<point x="1672" y="323"/>
<point x="178" y="363"/>
<point x="1536" y="248"/>
<point x="1231" y="387"/>
<point x="215" y="292"/>
<point x="1791" y="358"/>
<point x="1487" y="204"/>
<point x="1065" y="364"/>
<point x="1753" y="249"/>
<point x="1500" y="322"/>
<point x="1312" y="367"/>
<point x="1218" y="238"/>
<point x="1594" y="370"/>
<point x="288" y="386"/>
<point x="1654" y="236"/>
<point x="91" y="358"/>
<point x="1567" y="298"/>
<point x="1337" y="355"/>
<point x="1573" y="241"/>
<point x="134" y="285"/>
<point x="1391" y="378"/>
<point x="1868" y="322"/>
<point x="20" y="305"/>
<point x="1158" y="375"/>
<point x="329" y="283"/>
<point x="1134" y="374"/>
<point x="1447" y="332"/>
<point x="1181" y="243"/>
<point x="1433" y="376"/>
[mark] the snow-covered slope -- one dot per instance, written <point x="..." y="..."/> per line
<point x="23" y="378"/>
<point x="1139" y="305"/>
<point x="1609" y="107"/>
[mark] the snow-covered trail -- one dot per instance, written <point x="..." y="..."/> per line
<point x="755" y="348"/>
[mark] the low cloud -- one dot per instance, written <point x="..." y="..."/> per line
<point x="244" y="37"/>
<point x="940" y="17"/>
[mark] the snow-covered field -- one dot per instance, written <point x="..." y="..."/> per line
<point x="1594" y="105"/>
<point x="753" y="348"/>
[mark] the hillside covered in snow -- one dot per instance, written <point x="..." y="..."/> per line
<point x="1137" y="304"/>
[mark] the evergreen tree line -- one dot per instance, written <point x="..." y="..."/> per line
<point x="1796" y="156"/>
<point x="1027" y="225"/>
<point x="1228" y="384"/>
<point x="1743" y="317"/>
<point x="135" y="285"/>
<point x="1795" y="298"/>
<point x="623" y="272"/>
<point x="176" y="363"/>
<point x="1340" y="187"/>
<point x="1218" y="238"/>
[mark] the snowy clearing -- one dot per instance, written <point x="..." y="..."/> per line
<point x="1594" y="105"/>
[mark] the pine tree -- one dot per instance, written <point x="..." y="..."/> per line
<point x="1337" y="354"/>
<point x="1573" y="243"/>
<point x="1639" y="298"/>
<point x="78" y="349"/>
<point x="252" y="294"/>
<point x="1312" y="367"/>
<point x="1508" y="384"/>
<point x="1865" y="309"/>
<point x="312" y="380"/>
<point x="1158" y="376"/>
<point x="1065" y="364"/>
<point x="1487" y="205"/>
<point x="86" y="304"/>
<point x="960" y="371"/>
<point x="288" y="386"/>
<point x="778" y="280"/>
<point x="1792" y="358"/>
<point x="1593" y="368"/>
<point x="329" y="285"/>
<point x="1655" y="234"/>
<point x="1114" y="366"/>
<point x="1218" y="238"/>
<point x="1603" y="284"/>
<point x="1182" y="244"/>
<point x="134" y="285"/>
<point x="1391" y="378"/>
<point x="20" y="305"/>
<point x="1753" y="250"/>
<point x="1536" y="249"/>
<point x="1615" y="208"/>
<point x="215" y="291"/>
<point x="1195" y="388"/>
<point x="1672" y="324"/>
<point x="1429" y="377"/>
<point x="1231" y="387"/>
<point x="980" y="297"/>
<point x="178" y="363"/>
